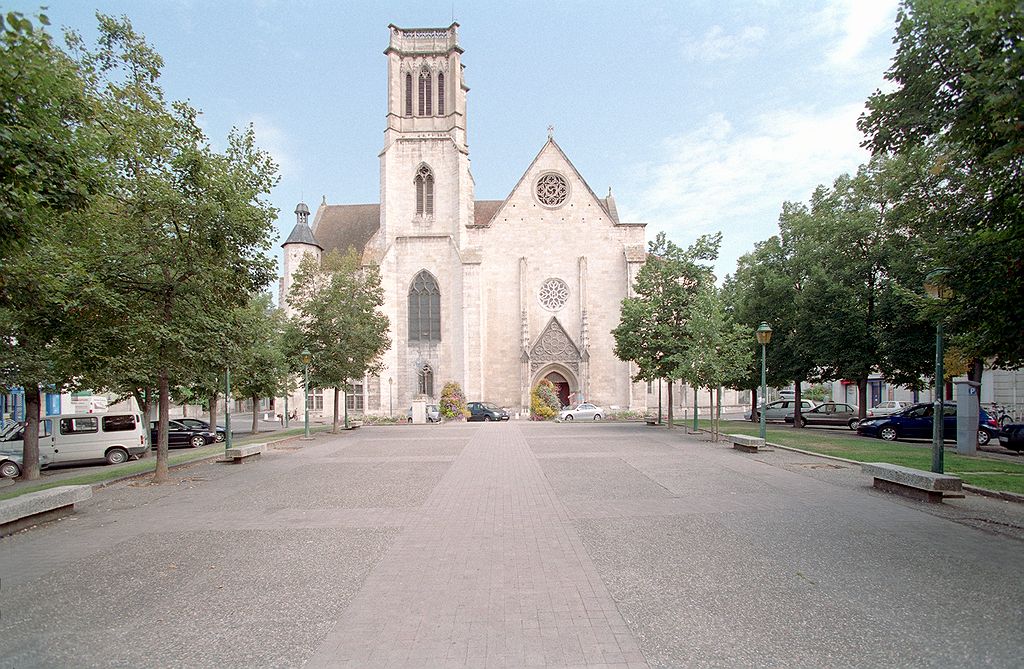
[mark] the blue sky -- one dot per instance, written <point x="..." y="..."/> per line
<point x="701" y="117"/>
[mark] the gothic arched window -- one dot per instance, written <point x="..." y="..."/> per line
<point x="425" y="380"/>
<point x="424" y="191"/>
<point x="440" y="94"/>
<point x="408" y="94"/>
<point x="425" y="94"/>
<point x="424" y="309"/>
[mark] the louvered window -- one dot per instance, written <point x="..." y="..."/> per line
<point x="424" y="191"/>
<point x="424" y="309"/>
<point x="408" y="94"/>
<point x="425" y="94"/>
<point x="440" y="94"/>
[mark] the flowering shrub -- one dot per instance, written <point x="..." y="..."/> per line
<point x="453" y="402"/>
<point x="380" y="419"/>
<point x="544" y="404"/>
<point x="626" y="414"/>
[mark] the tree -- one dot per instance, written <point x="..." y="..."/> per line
<point x="653" y="325"/>
<point x="263" y="367"/>
<point x="959" y="82"/>
<point x="720" y="350"/>
<point x="50" y="169"/>
<point x="337" y="302"/>
<point x="186" y="229"/>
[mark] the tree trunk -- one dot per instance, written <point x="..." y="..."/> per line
<point x="160" y="475"/>
<point x="862" y="398"/>
<point x="797" y="402"/>
<point x="718" y="412"/>
<point x="213" y="411"/>
<point x="334" y="422"/>
<point x="753" y="405"/>
<point x="255" y="415"/>
<point x="30" y="450"/>
<point x="670" y="403"/>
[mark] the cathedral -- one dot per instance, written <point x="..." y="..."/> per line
<point x="493" y="294"/>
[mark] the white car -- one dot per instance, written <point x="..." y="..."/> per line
<point x="585" y="411"/>
<point x="887" y="408"/>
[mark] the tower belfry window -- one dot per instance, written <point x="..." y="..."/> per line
<point x="408" y="94"/>
<point x="440" y="94"/>
<point x="424" y="191"/>
<point x="426" y="97"/>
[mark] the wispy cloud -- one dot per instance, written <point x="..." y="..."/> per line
<point x="717" y="45"/>
<point x="853" y="24"/>
<point x="272" y="139"/>
<point x="722" y="177"/>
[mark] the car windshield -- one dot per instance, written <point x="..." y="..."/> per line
<point x="491" y="406"/>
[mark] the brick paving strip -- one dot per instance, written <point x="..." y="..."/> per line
<point x="491" y="573"/>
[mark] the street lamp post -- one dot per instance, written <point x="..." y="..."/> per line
<point x="935" y="286"/>
<point x="764" y="335"/>
<point x="227" y="408"/>
<point x="305" y="386"/>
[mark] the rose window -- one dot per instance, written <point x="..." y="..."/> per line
<point x="554" y="293"/>
<point x="552" y="189"/>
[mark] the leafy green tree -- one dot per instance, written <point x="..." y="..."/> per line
<point x="652" y="330"/>
<point x="187" y="228"/>
<point x="263" y="367"/>
<point x="50" y="170"/>
<point x="958" y="78"/>
<point x="337" y="303"/>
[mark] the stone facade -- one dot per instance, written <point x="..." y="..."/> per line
<point x="530" y="286"/>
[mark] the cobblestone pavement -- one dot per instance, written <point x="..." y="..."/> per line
<point x="516" y="544"/>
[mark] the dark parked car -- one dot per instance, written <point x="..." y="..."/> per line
<point x="197" y="424"/>
<point x="1012" y="436"/>
<point x="180" y="435"/>
<point x="486" y="412"/>
<point x="829" y="413"/>
<point x="916" y="423"/>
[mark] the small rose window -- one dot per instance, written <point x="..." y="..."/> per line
<point x="554" y="293"/>
<point x="552" y="189"/>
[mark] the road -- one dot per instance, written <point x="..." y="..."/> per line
<point x="516" y="544"/>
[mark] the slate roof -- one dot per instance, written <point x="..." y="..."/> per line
<point x="340" y="226"/>
<point x="301" y="234"/>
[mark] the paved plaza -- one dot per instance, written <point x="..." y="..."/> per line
<point x="521" y="545"/>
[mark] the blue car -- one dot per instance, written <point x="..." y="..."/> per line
<point x="916" y="423"/>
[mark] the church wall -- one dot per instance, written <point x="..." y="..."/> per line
<point x="552" y="240"/>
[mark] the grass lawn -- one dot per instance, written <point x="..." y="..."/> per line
<point x="177" y="456"/>
<point x="979" y="470"/>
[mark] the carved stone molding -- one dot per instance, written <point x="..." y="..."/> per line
<point x="555" y="345"/>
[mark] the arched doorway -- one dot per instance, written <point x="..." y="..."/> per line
<point x="561" y="387"/>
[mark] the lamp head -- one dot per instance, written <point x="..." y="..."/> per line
<point x="935" y="284"/>
<point x="305" y="357"/>
<point x="764" y="333"/>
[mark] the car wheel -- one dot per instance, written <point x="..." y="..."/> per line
<point x="116" y="456"/>
<point x="853" y="423"/>
<point x="487" y="419"/>
<point x="220" y="437"/>
<point x="803" y="422"/>
<point x="597" y="416"/>
<point x="888" y="433"/>
<point x="10" y="469"/>
<point x="983" y="437"/>
<point x="568" y="417"/>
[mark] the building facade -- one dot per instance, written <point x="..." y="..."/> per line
<point x="493" y="294"/>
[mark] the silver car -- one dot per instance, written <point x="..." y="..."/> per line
<point x="585" y="411"/>
<point x="888" y="408"/>
<point x="433" y="414"/>
<point x="782" y="410"/>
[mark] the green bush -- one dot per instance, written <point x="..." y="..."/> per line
<point x="544" y="404"/>
<point x="628" y="415"/>
<point x="453" y="402"/>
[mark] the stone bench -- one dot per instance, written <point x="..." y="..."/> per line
<point x="914" y="483"/>
<point x="37" y="507"/>
<point x="240" y="454"/>
<point x="745" y="443"/>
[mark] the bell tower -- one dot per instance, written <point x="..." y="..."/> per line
<point x="426" y="186"/>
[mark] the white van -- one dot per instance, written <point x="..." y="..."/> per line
<point x="81" y="438"/>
